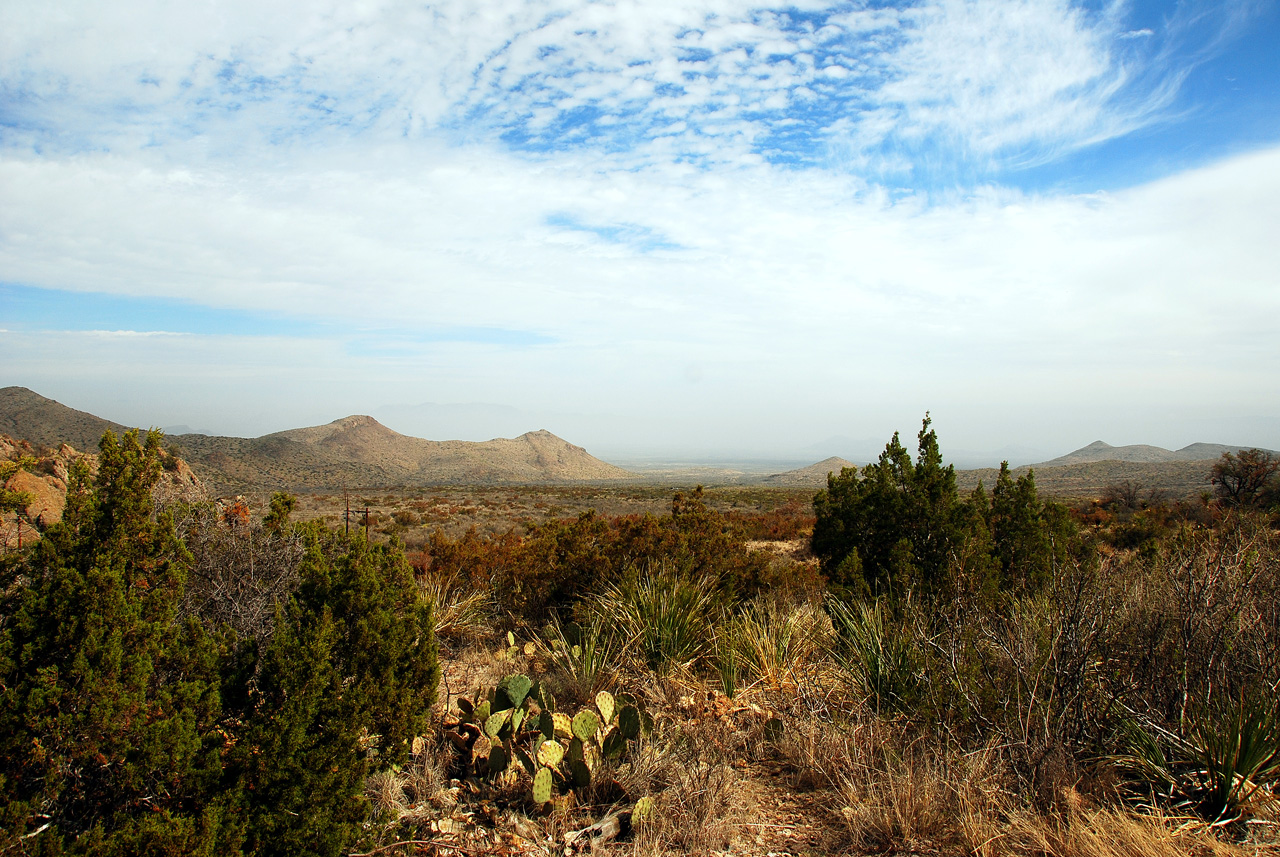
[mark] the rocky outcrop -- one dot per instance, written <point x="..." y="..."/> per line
<point x="44" y="482"/>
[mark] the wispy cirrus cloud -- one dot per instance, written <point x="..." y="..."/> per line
<point x="935" y="86"/>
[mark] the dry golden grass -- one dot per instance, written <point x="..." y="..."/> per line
<point x="719" y="770"/>
<point x="463" y="615"/>
<point x="699" y="807"/>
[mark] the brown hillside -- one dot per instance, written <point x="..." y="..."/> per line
<point x="355" y="452"/>
<point x="30" y="416"/>
<point x="814" y="474"/>
<point x="537" y="456"/>
<point x="1140" y="453"/>
<point x="1178" y="480"/>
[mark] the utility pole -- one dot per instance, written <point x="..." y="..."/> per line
<point x="346" y="516"/>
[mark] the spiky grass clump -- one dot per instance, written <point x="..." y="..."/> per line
<point x="582" y="659"/>
<point x="1227" y="766"/>
<point x="878" y="656"/>
<point x="666" y="618"/>
<point x="770" y="644"/>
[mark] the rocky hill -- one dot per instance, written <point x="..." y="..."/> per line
<point x="355" y="452"/>
<point x="31" y="417"/>
<point x="814" y="474"/>
<point x="45" y="484"/>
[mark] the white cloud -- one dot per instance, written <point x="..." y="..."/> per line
<point x="978" y="80"/>
<point x="782" y="281"/>
<point x="603" y="180"/>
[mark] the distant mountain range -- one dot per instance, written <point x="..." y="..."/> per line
<point x="1084" y="472"/>
<point x="1141" y="453"/>
<point x="355" y="452"/>
<point x="360" y="453"/>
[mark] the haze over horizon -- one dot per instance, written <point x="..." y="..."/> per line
<point x="651" y="228"/>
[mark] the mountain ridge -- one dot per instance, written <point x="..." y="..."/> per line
<point x="1141" y="453"/>
<point x="351" y="452"/>
<point x="1087" y="471"/>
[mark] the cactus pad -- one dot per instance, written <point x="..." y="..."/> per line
<point x="574" y="751"/>
<point x="604" y="702"/>
<point x="494" y="722"/>
<point x="542" y="786"/>
<point x="515" y="688"/>
<point x="498" y="760"/>
<point x="585" y="725"/>
<point x="614" y="744"/>
<point x="563" y="727"/>
<point x="629" y="722"/>
<point x="581" y="773"/>
<point x="550" y="753"/>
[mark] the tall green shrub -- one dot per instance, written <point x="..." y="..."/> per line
<point x="130" y="726"/>
<point x="891" y="528"/>
<point x="109" y="705"/>
<point x="351" y="669"/>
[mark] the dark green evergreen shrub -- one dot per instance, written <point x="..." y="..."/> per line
<point x="110" y="705"/>
<point x="891" y="528"/>
<point x="898" y="529"/>
<point x="131" y="726"/>
<point x="349" y="675"/>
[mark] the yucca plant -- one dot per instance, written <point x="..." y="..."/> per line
<point x="1226" y="764"/>
<point x="767" y="641"/>
<point x="463" y="613"/>
<point x="667" y="618"/>
<point x="585" y="656"/>
<point x="881" y="659"/>
<point x="1238" y="746"/>
<point x="727" y="666"/>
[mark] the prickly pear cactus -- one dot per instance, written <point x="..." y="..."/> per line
<point x="605" y="704"/>
<point x="561" y="754"/>
<point x="585" y="725"/>
<point x="498" y="759"/>
<point x="542" y="786"/>
<point x="550" y="753"/>
<point x="643" y="810"/>
<point x="629" y="722"/>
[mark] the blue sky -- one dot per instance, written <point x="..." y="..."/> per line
<point x="651" y="227"/>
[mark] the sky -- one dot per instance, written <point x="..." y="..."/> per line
<point x="701" y="229"/>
